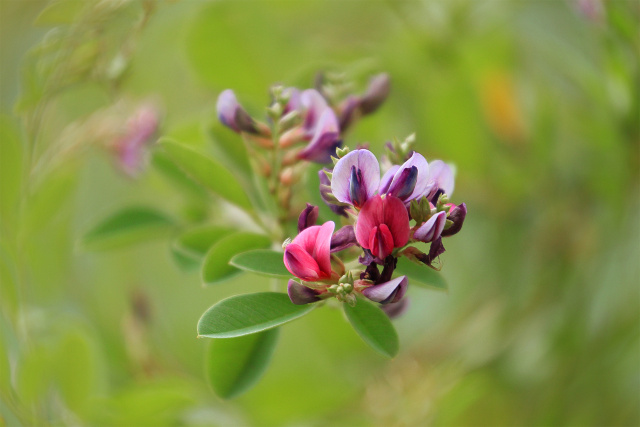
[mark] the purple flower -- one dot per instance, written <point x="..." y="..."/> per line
<point x="314" y="105"/>
<point x="432" y="229"/>
<point x="441" y="180"/>
<point x="130" y="148"/>
<point x="343" y="238"/>
<point x="457" y="214"/>
<point x="326" y="138"/>
<point x="356" y="177"/>
<point x="396" y="309"/>
<point x="232" y="115"/>
<point x="387" y="292"/>
<point x="308" y="217"/>
<point x="327" y="195"/>
<point x="300" y="294"/>
<point x="407" y="182"/>
<point x="376" y="93"/>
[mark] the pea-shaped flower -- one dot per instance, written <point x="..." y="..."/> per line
<point x="383" y="224"/>
<point x="356" y="177"/>
<point x="308" y="256"/>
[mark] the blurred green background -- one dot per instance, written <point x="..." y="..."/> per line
<point x="536" y="102"/>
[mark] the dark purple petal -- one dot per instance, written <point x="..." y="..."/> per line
<point x="327" y="195"/>
<point x="421" y="180"/>
<point x="376" y="93"/>
<point x="385" y="182"/>
<point x="308" y="217"/>
<point x="348" y="111"/>
<point x="366" y="163"/>
<point x="232" y="115"/>
<point x="432" y="229"/>
<point x="300" y="294"/>
<point x="326" y="139"/>
<point x="435" y="250"/>
<point x="396" y="309"/>
<point x="388" y="292"/>
<point x="457" y="215"/>
<point x="404" y="185"/>
<point x="343" y="238"/>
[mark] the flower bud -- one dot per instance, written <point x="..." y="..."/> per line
<point x="376" y="93"/>
<point x="308" y="217"/>
<point x="232" y="115"/>
<point x="300" y="294"/>
<point x="388" y="292"/>
<point x="457" y="216"/>
<point x="432" y="229"/>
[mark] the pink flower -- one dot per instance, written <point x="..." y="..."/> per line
<point x="308" y="256"/>
<point x="383" y="224"/>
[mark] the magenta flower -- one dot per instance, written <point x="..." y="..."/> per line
<point x="409" y="181"/>
<point x="383" y="224"/>
<point x="308" y="256"/>
<point x="131" y="147"/>
<point x="432" y="229"/>
<point x="232" y="115"/>
<point x="356" y="177"/>
<point x="387" y="292"/>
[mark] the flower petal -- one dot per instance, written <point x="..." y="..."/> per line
<point x="395" y="216"/>
<point x="300" y="263"/>
<point x="308" y="217"/>
<point x="371" y="215"/>
<point x="388" y="292"/>
<point x="422" y="180"/>
<point x="363" y="160"/>
<point x="343" y="238"/>
<point x="322" y="249"/>
<point x="432" y="229"/>
<point x="326" y="138"/>
<point x="385" y="182"/>
<point x="457" y="215"/>
<point x="442" y="175"/>
<point x="396" y="309"/>
<point x="315" y="105"/>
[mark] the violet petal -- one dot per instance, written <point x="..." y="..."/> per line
<point x="308" y="217"/>
<point x="365" y="162"/>
<point x="388" y="292"/>
<point x="300" y="294"/>
<point x="396" y="309"/>
<point x="432" y="229"/>
<point x="343" y="238"/>
<point x="457" y="215"/>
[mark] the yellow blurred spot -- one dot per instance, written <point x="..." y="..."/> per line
<point x="501" y="110"/>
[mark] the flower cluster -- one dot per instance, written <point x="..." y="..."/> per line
<point x="388" y="215"/>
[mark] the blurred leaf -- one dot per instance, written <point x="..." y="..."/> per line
<point x="125" y="227"/>
<point x="207" y="172"/>
<point x="34" y="374"/>
<point x="189" y="249"/>
<point x="59" y="12"/>
<point x="198" y="240"/>
<point x="261" y="261"/>
<point x="421" y="275"/>
<point x="50" y="195"/>
<point x="231" y="147"/>
<point x="234" y="365"/>
<point x="373" y="326"/>
<point x="75" y="369"/>
<point x="166" y="167"/>
<point x="216" y="266"/>
<point x="10" y="171"/>
<point x="250" y="313"/>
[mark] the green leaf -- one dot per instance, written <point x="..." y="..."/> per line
<point x="421" y="275"/>
<point x="216" y="266"/>
<point x="234" y="365"/>
<point x="207" y="172"/>
<point x="261" y="261"/>
<point x="60" y="12"/>
<point x="250" y="313"/>
<point x="197" y="241"/>
<point x="373" y="326"/>
<point x="125" y="227"/>
<point x="230" y="146"/>
<point x="161" y="162"/>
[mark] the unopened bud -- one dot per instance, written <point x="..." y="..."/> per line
<point x="275" y="111"/>
<point x="341" y="152"/>
<point x="376" y="93"/>
<point x="350" y="299"/>
<point x="290" y="120"/>
<point x="286" y="176"/>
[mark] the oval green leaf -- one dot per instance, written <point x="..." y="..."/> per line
<point x="421" y="275"/>
<point x="216" y="266"/>
<point x="373" y="326"/>
<point x="207" y="172"/>
<point x="234" y="365"/>
<point x="261" y="261"/>
<point x="196" y="241"/>
<point x="125" y="227"/>
<point x="250" y="313"/>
